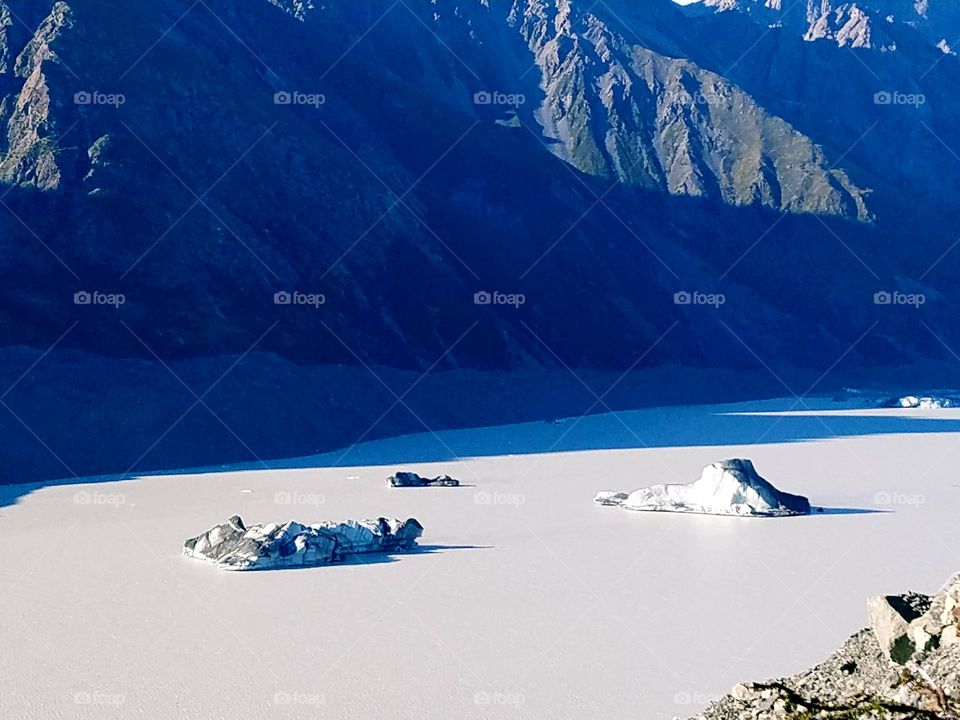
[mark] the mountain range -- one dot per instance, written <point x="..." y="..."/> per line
<point x="479" y="185"/>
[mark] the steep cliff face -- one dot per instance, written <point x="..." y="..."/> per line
<point x="621" y="110"/>
<point x="848" y="25"/>
<point x="868" y="24"/>
<point x="29" y="156"/>
<point x="612" y="104"/>
<point x="616" y="108"/>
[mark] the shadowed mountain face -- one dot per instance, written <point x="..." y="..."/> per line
<point x="482" y="184"/>
<point x="619" y="109"/>
<point x="876" y="90"/>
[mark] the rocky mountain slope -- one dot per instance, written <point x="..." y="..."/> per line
<point x="367" y="184"/>
<point x="200" y="197"/>
<point x="619" y="109"/>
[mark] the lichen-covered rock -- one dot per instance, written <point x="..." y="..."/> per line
<point x="234" y="546"/>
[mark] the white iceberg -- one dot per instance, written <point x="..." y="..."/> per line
<point x="921" y="402"/>
<point x="234" y="546"/>
<point x="731" y="487"/>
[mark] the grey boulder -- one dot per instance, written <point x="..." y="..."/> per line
<point x="908" y="626"/>
<point x="891" y="618"/>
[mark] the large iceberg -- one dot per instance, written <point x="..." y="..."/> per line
<point x="234" y="546"/>
<point x="731" y="487"/>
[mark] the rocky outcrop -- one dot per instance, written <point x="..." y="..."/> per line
<point x="848" y="25"/>
<point x="234" y="546"/>
<point x="911" y="625"/>
<point x="892" y="619"/>
<point x="906" y="665"/>
<point x="731" y="487"/>
<point x="411" y="479"/>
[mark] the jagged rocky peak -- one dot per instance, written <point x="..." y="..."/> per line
<point x="771" y="12"/>
<point x="849" y="25"/>
<point x="744" y="5"/>
<point x="864" y="24"/>
<point x="618" y="109"/>
<point x="28" y="154"/>
<point x="6" y="22"/>
<point x="614" y="108"/>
